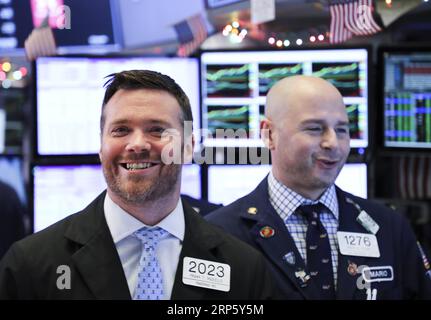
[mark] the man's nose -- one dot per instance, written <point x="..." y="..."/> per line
<point x="329" y="139"/>
<point x="138" y="143"/>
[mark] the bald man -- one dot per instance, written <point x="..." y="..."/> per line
<point x="322" y="242"/>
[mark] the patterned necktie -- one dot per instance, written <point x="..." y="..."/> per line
<point x="150" y="281"/>
<point x="319" y="261"/>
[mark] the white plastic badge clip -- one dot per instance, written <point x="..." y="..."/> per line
<point x="371" y="294"/>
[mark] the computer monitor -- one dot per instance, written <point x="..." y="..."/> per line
<point x="78" y="25"/>
<point x="353" y="179"/>
<point x="406" y="93"/>
<point x="227" y="183"/>
<point x="11" y="173"/>
<point x="191" y="181"/>
<point x="15" y="74"/>
<point x="60" y="190"/>
<point x="69" y="95"/>
<point x="234" y="85"/>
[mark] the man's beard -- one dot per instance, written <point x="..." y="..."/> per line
<point x="138" y="190"/>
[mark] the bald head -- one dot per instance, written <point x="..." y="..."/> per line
<point x="296" y="91"/>
<point x="307" y="131"/>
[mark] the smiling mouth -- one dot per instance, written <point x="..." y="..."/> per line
<point x="137" y="165"/>
<point x="329" y="162"/>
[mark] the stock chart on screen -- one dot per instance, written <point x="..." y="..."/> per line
<point x="235" y="83"/>
<point x="407" y="99"/>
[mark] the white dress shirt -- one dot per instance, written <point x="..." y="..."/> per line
<point x="122" y="225"/>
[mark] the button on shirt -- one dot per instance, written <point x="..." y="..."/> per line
<point x="122" y="225"/>
<point x="285" y="202"/>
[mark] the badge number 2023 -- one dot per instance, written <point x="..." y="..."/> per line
<point x="208" y="269"/>
<point x="206" y="274"/>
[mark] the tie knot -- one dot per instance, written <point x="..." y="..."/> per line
<point x="150" y="236"/>
<point x="311" y="211"/>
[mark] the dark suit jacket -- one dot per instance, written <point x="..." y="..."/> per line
<point x="11" y="218"/>
<point x="84" y="244"/>
<point x="397" y="243"/>
<point x="201" y="206"/>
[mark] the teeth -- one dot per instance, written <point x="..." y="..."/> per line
<point x="135" y="166"/>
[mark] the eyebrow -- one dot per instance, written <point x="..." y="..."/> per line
<point x="126" y="121"/>
<point x="319" y="121"/>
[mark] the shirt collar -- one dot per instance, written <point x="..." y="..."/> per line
<point x="285" y="201"/>
<point x="122" y="224"/>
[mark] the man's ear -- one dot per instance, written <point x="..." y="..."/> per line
<point x="266" y="133"/>
<point x="100" y="150"/>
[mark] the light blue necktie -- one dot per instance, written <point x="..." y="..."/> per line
<point x="150" y="281"/>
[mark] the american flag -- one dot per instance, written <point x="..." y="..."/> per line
<point x="191" y="33"/>
<point x="351" y="17"/>
<point x="40" y="42"/>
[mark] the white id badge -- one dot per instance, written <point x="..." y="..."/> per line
<point x="206" y="274"/>
<point x="358" y="244"/>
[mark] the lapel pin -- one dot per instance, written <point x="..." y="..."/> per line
<point x="424" y="260"/>
<point x="266" y="232"/>
<point x="303" y="276"/>
<point x="290" y="258"/>
<point x="352" y="268"/>
<point x="252" y="210"/>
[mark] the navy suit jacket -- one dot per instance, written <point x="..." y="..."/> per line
<point x="84" y="243"/>
<point x="245" y="218"/>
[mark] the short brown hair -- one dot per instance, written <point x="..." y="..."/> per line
<point x="145" y="79"/>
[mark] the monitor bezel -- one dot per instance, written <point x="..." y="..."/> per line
<point x="360" y="152"/>
<point x="206" y="179"/>
<point x="89" y="156"/>
<point x="75" y="162"/>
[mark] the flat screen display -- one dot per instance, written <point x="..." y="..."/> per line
<point x="353" y="179"/>
<point x="235" y="84"/>
<point x="227" y="183"/>
<point x="59" y="191"/>
<point x="69" y="95"/>
<point x="11" y="173"/>
<point x="77" y="24"/>
<point x="407" y="99"/>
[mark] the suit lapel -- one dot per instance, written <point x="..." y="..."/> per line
<point x="198" y="243"/>
<point x="347" y="277"/>
<point x="280" y="248"/>
<point x="97" y="260"/>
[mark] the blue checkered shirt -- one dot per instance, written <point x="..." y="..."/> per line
<point x="285" y="202"/>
